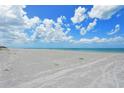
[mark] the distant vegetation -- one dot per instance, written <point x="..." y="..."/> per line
<point x="3" y="47"/>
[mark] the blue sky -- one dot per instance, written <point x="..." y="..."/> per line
<point x="74" y="26"/>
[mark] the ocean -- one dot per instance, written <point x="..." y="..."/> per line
<point x="119" y="50"/>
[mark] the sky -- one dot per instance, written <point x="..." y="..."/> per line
<point x="55" y="26"/>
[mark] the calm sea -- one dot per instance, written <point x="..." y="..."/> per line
<point x="120" y="50"/>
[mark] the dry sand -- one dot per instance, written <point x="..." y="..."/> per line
<point x="59" y="68"/>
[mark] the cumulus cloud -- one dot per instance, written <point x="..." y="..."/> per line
<point x="83" y="31"/>
<point x="79" y="15"/>
<point x="68" y="30"/>
<point x="14" y="22"/>
<point x="51" y="31"/>
<point x="19" y="36"/>
<point x="77" y="27"/>
<point x="31" y="22"/>
<point x="90" y="26"/>
<point x="115" y="30"/>
<point x="60" y="19"/>
<point x="104" y="12"/>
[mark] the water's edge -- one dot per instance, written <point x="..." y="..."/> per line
<point x="111" y="50"/>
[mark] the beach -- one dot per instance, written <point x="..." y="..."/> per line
<point x="46" y="68"/>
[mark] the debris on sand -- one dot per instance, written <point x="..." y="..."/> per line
<point x="6" y="69"/>
<point x="81" y="58"/>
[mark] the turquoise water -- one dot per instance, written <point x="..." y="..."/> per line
<point x="120" y="50"/>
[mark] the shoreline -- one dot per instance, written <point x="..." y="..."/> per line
<point x="90" y="50"/>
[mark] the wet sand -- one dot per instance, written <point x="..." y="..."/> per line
<point x="58" y="68"/>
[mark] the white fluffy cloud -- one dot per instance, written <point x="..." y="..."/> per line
<point x="115" y="30"/>
<point x="100" y="40"/>
<point x="79" y="15"/>
<point x="51" y="31"/>
<point x="14" y="22"/>
<point x="31" y="22"/>
<point x="77" y="27"/>
<point x="60" y="19"/>
<point x="90" y="26"/>
<point x="83" y="31"/>
<point x="104" y="12"/>
<point x="18" y="36"/>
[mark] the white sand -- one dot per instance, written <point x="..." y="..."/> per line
<point x="57" y="68"/>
